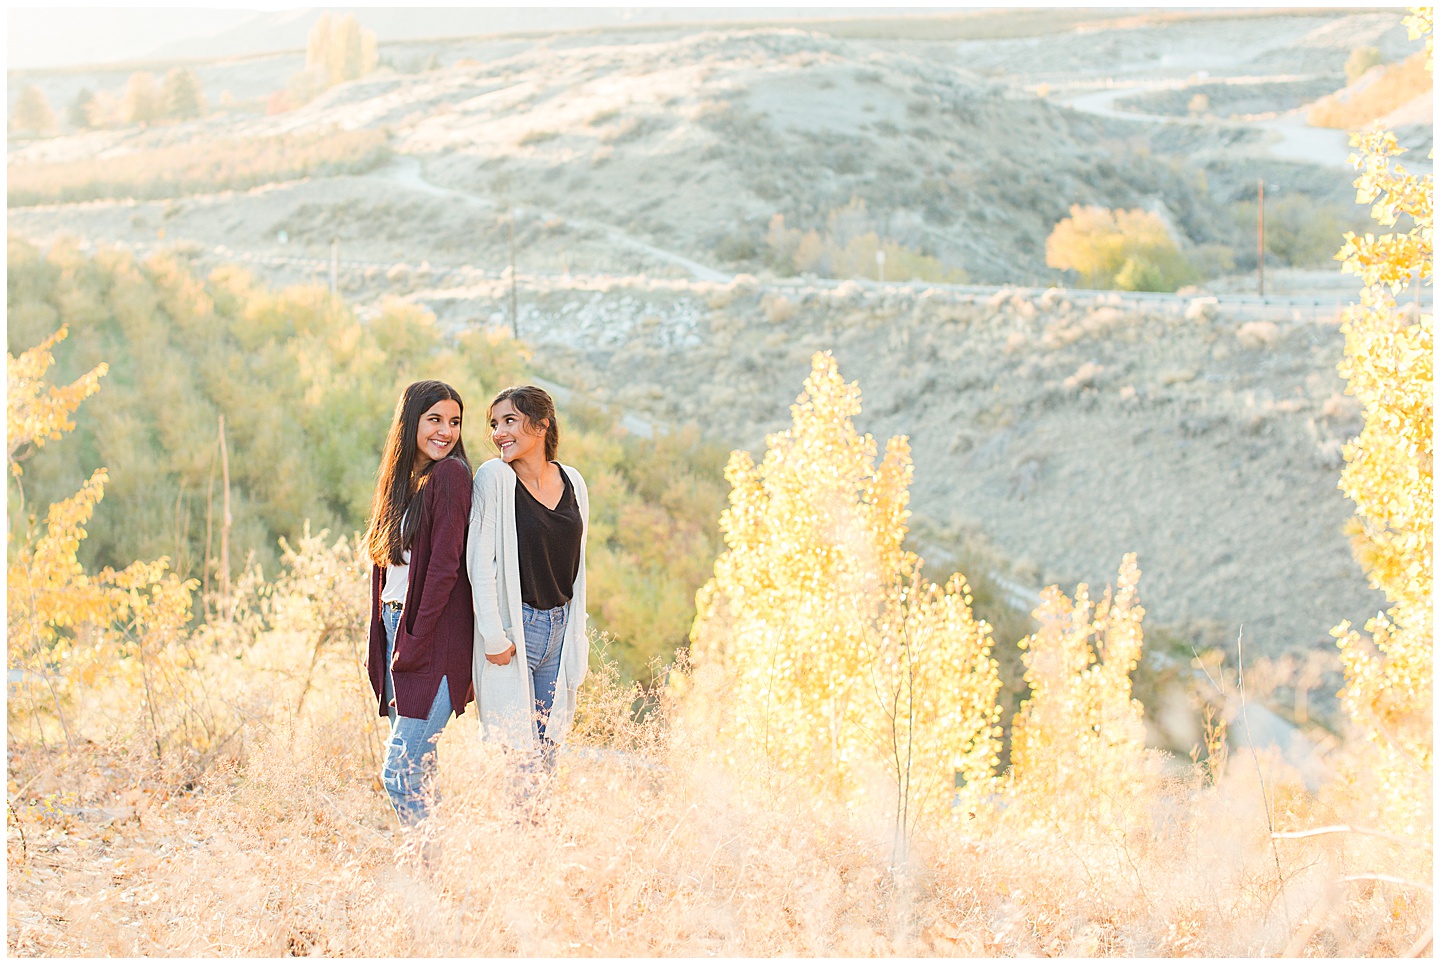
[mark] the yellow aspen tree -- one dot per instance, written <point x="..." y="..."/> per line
<point x="47" y="587"/>
<point x="64" y="625"/>
<point x="317" y="45"/>
<point x="816" y="645"/>
<point x="1078" y="742"/>
<point x="1389" y="367"/>
<point x="35" y="411"/>
<point x="934" y="719"/>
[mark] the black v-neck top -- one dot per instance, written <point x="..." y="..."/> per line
<point x="549" y="546"/>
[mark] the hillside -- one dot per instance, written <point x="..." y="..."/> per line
<point x="647" y="168"/>
<point x="693" y="140"/>
<point x="1058" y="432"/>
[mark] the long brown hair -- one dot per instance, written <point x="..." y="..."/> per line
<point x="395" y="511"/>
<point x="535" y="404"/>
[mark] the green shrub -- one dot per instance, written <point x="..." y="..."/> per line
<point x="1300" y="231"/>
<point x="1360" y="60"/>
<point x="847" y="248"/>
<point x="306" y="390"/>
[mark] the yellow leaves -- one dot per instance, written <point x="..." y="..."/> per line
<point x="1421" y="23"/>
<point x="59" y="617"/>
<point x="1389" y="368"/>
<point x="1124" y="249"/>
<point x="47" y="587"/>
<point x="37" y="412"/>
<point x="1078" y="665"/>
<point x="825" y="648"/>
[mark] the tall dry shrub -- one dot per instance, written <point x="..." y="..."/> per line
<point x="818" y="647"/>
<point x="1389" y="367"/>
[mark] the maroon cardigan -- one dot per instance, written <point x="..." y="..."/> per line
<point x="436" y="635"/>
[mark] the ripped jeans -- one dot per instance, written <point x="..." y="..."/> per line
<point x="544" y="637"/>
<point x="410" y="766"/>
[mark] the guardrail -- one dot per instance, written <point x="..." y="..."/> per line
<point x="1317" y="304"/>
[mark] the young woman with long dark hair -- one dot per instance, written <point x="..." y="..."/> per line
<point x="526" y="558"/>
<point x="422" y="625"/>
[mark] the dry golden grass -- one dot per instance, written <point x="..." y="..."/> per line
<point x="196" y="167"/>
<point x="279" y="841"/>
<point x="1398" y="85"/>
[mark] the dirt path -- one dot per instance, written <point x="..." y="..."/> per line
<point x="407" y="171"/>
<point x="1290" y="138"/>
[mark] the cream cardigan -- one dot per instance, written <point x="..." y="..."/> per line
<point x="505" y="695"/>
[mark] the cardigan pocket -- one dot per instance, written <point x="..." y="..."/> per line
<point x="411" y="655"/>
<point x="505" y="711"/>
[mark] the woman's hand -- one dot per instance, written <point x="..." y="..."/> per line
<point x="501" y="659"/>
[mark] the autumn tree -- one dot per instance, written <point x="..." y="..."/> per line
<point x="65" y="626"/>
<point x="36" y="411"/>
<point x="32" y="113"/>
<point x="183" y="94"/>
<point x="1129" y="250"/>
<point x="1078" y="741"/>
<point x="144" y="101"/>
<point x="337" y="49"/>
<point x="1389" y="366"/>
<point x="817" y="644"/>
<point x="340" y="48"/>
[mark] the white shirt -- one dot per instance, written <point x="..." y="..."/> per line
<point x="397" y="578"/>
<point x="397" y="581"/>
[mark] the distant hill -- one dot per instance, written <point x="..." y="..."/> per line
<point x="287" y="30"/>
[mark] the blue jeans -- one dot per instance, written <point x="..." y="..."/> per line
<point x="544" y="635"/>
<point x="410" y="765"/>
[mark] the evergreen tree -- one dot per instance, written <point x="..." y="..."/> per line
<point x="184" y="95"/>
<point x="82" y="109"/>
<point x="33" y="113"/>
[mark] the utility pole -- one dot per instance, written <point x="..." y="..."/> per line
<point x="334" y="264"/>
<point x="1260" y="238"/>
<point x="514" y="310"/>
<point x="225" y="516"/>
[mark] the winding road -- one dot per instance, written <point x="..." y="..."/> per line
<point x="1290" y="138"/>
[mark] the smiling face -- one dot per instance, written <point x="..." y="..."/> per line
<point x="513" y="434"/>
<point x="438" y="432"/>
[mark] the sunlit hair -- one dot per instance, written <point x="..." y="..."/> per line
<point x="535" y="404"/>
<point x="395" y="512"/>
